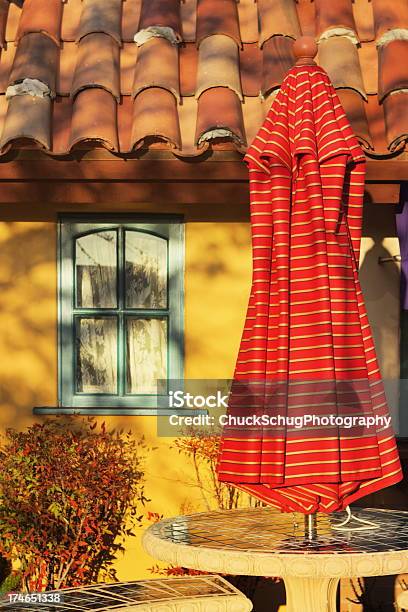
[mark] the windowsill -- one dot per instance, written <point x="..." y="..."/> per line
<point x="119" y="411"/>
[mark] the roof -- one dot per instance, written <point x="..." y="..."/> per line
<point x="191" y="75"/>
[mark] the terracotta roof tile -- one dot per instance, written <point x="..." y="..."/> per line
<point x="27" y="117"/>
<point x="35" y="19"/>
<point x="94" y="118"/>
<point x="128" y="58"/>
<point x="368" y="56"/>
<point x="253" y="113"/>
<point x="248" y="21"/>
<point x="161" y="13"/>
<point x="219" y="108"/>
<point x="219" y="81"/>
<point x="188" y="118"/>
<point x="97" y="64"/>
<point x="188" y="55"/>
<point x="306" y="10"/>
<point x="389" y="15"/>
<point x="364" y="19"/>
<point x="155" y="117"/>
<point x="61" y="125"/>
<point x="188" y="13"/>
<point x="36" y="58"/>
<point x="6" y="63"/>
<point x="130" y="18"/>
<point x="396" y="118"/>
<point x="278" y="17"/>
<point x="217" y="17"/>
<point x="251" y="69"/>
<point x="278" y="58"/>
<point x="354" y="107"/>
<point x="339" y="57"/>
<point x="68" y="60"/>
<point x="336" y="13"/>
<point x="71" y="15"/>
<point x="151" y="73"/>
<point x="218" y="64"/>
<point x="393" y="73"/>
<point x="97" y="16"/>
<point x="4" y="8"/>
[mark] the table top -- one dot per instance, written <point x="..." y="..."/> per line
<point x="265" y="542"/>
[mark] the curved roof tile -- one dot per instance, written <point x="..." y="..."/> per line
<point x="4" y="8"/>
<point x="278" y="17"/>
<point x="94" y="118"/>
<point x="28" y="117"/>
<point x="35" y="17"/>
<point x="364" y="19"/>
<point x="71" y="15"/>
<point x="389" y="15"/>
<point x="188" y="14"/>
<point x="219" y="108"/>
<point x="97" y="16"/>
<point x="339" y="57"/>
<point x="130" y="19"/>
<point x="155" y="118"/>
<point x="217" y="17"/>
<point x="97" y="64"/>
<point x="161" y="13"/>
<point x="393" y="72"/>
<point x="354" y="107"/>
<point x="151" y="73"/>
<point x="278" y="58"/>
<point x="334" y="14"/>
<point x="396" y="119"/>
<point x="36" y="58"/>
<point x="218" y="64"/>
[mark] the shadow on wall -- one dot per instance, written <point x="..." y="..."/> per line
<point x="27" y="324"/>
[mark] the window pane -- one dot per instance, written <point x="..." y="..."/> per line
<point x="146" y="271"/>
<point x="96" y="355"/>
<point x="146" y="354"/>
<point x="95" y="260"/>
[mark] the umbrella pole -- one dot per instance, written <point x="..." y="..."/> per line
<point x="311" y="526"/>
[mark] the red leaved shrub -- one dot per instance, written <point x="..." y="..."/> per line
<point x="70" y="492"/>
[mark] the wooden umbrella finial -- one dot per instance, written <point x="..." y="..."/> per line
<point x="305" y="49"/>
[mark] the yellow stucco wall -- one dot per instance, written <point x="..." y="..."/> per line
<point x="217" y="283"/>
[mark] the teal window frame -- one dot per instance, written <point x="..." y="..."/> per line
<point x="69" y="229"/>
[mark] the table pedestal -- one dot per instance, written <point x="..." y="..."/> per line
<point x="311" y="594"/>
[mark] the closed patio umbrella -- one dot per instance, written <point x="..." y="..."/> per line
<point x="307" y="347"/>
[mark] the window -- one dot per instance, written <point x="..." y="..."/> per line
<point x="120" y="312"/>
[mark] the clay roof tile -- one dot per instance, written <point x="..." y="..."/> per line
<point x="105" y="17"/>
<point x="71" y="15"/>
<point x="354" y="107"/>
<point x="278" y="58"/>
<point x="278" y="17"/>
<point x="35" y="18"/>
<point x="248" y="21"/>
<point x="128" y="59"/>
<point x="28" y="117"/>
<point x="155" y="118"/>
<point x="188" y="14"/>
<point x="150" y="72"/>
<point x="6" y="63"/>
<point x="188" y="55"/>
<point x="165" y="13"/>
<point x="218" y="64"/>
<point x="219" y="112"/>
<point x="217" y="17"/>
<point x="392" y="69"/>
<point x="130" y="19"/>
<point x="4" y="9"/>
<point x="339" y="57"/>
<point x="336" y="13"/>
<point x="94" y="118"/>
<point x="364" y="19"/>
<point x="36" y="58"/>
<point x="251" y="69"/>
<point x="389" y="15"/>
<point x="97" y="64"/>
<point x="396" y="119"/>
<point x="13" y="20"/>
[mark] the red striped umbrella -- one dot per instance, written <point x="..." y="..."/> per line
<point x="307" y="347"/>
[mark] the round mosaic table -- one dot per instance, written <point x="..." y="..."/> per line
<point x="265" y="542"/>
